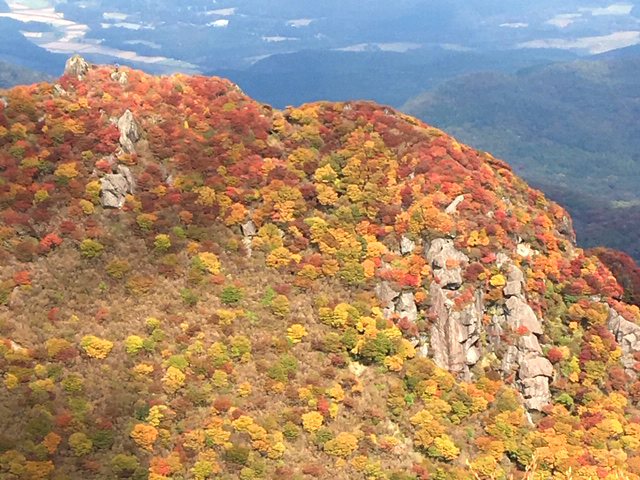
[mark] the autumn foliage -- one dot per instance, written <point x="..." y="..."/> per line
<point x="224" y="322"/>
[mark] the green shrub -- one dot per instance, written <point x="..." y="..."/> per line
<point x="162" y="242"/>
<point x="231" y="295"/>
<point x="189" y="297"/>
<point x="124" y="465"/>
<point x="236" y="454"/>
<point x="269" y="294"/>
<point x="375" y="349"/>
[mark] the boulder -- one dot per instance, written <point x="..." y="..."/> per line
<point x="120" y="77"/>
<point x="515" y="282"/>
<point x="114" y="187"/>
<point x="525" y="250"/>
<point x="406" y="245"/>
<point x="453" y="206"/>
<point x="76" y="66"/>
<point x="472" y="356"/>
<point x="529" y="344"/>
<point x="129" y="132"/>
<point x="502" y="259"/>
<point x="565" y="227"/>
<point x="441" y="250"/>
<point x="627" y="334"/>
<point x="536" y="392"/>
<point x="387" y="296"/>
<point x="446" y="263"/>
<point x="406" y="307"/>
<point x="533" y="365"/>
<point x="249" y="229"/>
<point x="58" y="91"/>
<point x="519" y="313"/>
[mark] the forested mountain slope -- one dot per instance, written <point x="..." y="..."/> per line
<point x="570" y="128"/>
<point x="11" y="75"/>
<point x="195" y="285"/>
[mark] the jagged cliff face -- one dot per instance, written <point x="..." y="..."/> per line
<point x="412" y="252"/>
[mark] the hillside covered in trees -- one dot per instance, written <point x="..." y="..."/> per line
<point x="195" y="285"/>
<point x="11" y="75"/>
<point x="569" y="128"/>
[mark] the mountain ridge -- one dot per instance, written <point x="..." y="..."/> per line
<point x="195" y="284"/>
<point x="567" y="127"/>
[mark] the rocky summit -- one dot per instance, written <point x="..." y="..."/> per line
<point x="196" y="285"/>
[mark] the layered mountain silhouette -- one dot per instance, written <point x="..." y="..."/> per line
<point x="197" y="285"/>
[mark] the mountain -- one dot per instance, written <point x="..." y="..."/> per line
<point x="17" y="50"/>
<point x="201" y="35"/>
<point x="197" y="285"/>
<point x="570" y="126"/>
<point x="11" y="75"/>
<point x="387" y="77"/>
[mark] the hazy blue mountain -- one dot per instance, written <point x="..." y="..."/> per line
<point x="11" y="75"/>
<point x="385" y="77"/>
<point x="17" y="50"/>
<point x="204" y="35"/>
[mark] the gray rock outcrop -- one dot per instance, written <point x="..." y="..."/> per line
<point x="515" y="282"/>
<point x="58" y="91"/>
<point x="446" y="263"/>
<point x="129" y="132"/>
<point x="519" y="314"/>
<point x="455" y="334"/>
<point x="458" y="339"/>
<point x="406" y="245"/>
<point x="453" y="206"/>
<point x="525" y="356"/>
<point x="76" y="66"/>
<point x="114" y="187"/>
<point x="627" y="335"/>
<point x="120" y="77"/>
<point x="249" y="230"/>
<point x="387" y="296"/>
<point x="405" y="307"/>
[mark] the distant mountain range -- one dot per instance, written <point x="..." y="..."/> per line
<point x="200" y="35"/>
<point x="11" y="75"/>
<point x="385" y="77"/>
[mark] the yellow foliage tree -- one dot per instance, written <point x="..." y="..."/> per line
<point x="144" y="436"/>
<point x="342" y="446"/>
<point x="211" y="262"/>
<point x="312" y="421"/>
<point x="67" y="170"/>
<point x="173" y="379"/>
<point x="296" y="333"/>
<point x="96" y="347"/>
